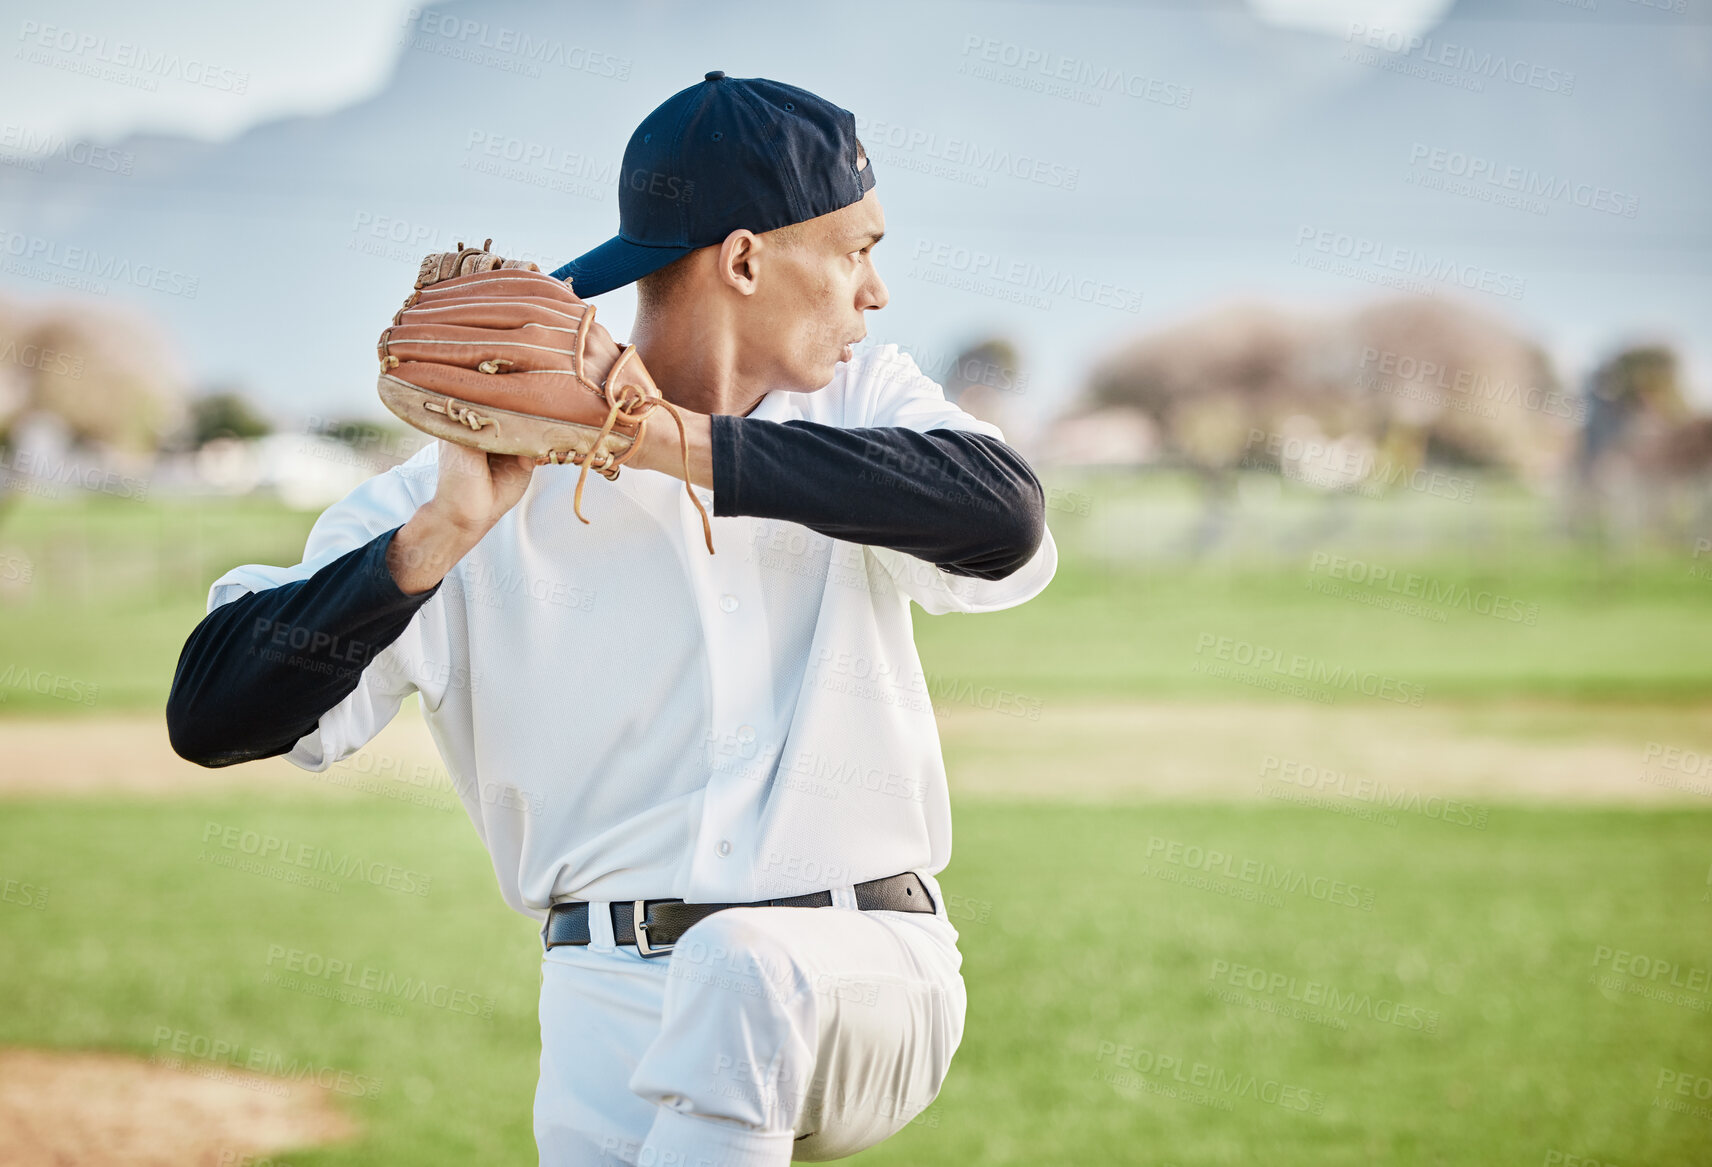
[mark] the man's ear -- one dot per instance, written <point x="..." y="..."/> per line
<point x="737" y="260"/>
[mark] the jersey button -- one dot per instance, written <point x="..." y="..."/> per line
<point x="724" y="848"/>
<point x="728" y="603"/>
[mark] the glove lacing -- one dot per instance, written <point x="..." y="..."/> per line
<point x="632" y="406"/>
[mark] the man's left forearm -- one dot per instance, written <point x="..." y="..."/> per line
<point x="964" y="501"/>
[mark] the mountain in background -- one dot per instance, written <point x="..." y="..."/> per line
<point x="1242" y="161"/>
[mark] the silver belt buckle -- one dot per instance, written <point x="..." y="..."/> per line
<point x="639" y="925"/>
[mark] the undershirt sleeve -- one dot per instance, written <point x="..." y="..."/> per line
<point x="258" y="672"/>
<point x="965" y="502"/>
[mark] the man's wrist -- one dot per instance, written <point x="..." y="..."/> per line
<point x="428" y="546"/>
<point x="662" y="450"/>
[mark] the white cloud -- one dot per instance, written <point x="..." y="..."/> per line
<point x="1334" y="17"/>
<point x="204" y="68"/>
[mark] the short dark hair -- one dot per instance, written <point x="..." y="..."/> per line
<point x="656" y="288"/>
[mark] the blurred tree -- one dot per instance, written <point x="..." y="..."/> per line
<point x="224" y="414"/>
<point x="1336" y="399"/>
<point x="983" y="375"/>
<point x="1645" y="460"/>
<point x="353" y="431"/>
<point x="108" y="374"/>
<point x="101" y="378"/>
<point x="1410" y="378"/>
<point x="1633" y="397"/>
<point x="362" y="433"/>
<point x="990" y="364"/>
<point x="1443" y="382"/>
<point x="378" y="444"/>
<point x="1209" y="381"/>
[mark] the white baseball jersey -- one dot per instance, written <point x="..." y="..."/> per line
<point x="625" y="716"/>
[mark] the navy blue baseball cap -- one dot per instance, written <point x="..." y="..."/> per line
<point x="727" y="153"/>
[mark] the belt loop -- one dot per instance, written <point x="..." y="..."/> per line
<point x="844" y="896"/>
<point x="600" y="927"/>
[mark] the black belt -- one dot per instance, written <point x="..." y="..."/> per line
<point x="654" y="926"/>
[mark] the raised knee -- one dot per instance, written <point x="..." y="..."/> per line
<point x="740" y="949"/>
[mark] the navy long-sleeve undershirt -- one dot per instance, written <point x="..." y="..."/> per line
<point x="965" y="502"/>
<point x="258" y="672"/>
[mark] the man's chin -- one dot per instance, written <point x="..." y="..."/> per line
<point x="811" y="380"/>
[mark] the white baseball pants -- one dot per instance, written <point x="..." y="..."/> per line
<point x="767" y="1034"/>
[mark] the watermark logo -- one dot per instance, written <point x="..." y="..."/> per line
<point x="1408" y="269"/>
<point x="508" y="49"/>
<point x="1636" y="974"/>
<point x="229" y="1059"/>
<point x="88" y="269"/>
<point x="122" y="62"/>
<point x="1465" y="390"/>
<point x="1286" y="995"/>
<point x="365" y="985"/>
<point x="1269" y="667"/>
<point x="1175" y="856"/>
<point x="1674" y="1089"/>
<point x="1346" y="465"/>
<point x="1557" y="1158"/>
<point x="958" y="159"/>
<point x="42" y="359"/>
<point x="1411" y="592"/>
<point x="16" y="679"/>
<point x="540" y="164"/>
<point x="1459" y="66"/>
<point x="28" y="149"/>
<point x="1507" y="185"/>
<point x="397" y="239"/>
<point x="1677" y="768"/>
<point x="21" y="893"/>
<point x="274" y="856"/>
<point x="1203" y="1083"/>
<point x="1298" y="782"/>
<point x="1017" y="281"/>
<point x="1035" y="70"/>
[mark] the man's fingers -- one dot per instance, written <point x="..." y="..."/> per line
<point x="511" y="474"/>
<point x="600" y="351"/>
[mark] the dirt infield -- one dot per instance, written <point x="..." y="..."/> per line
<point x="130" y="754"/>
<point x="1542" y="752"/>
<point x="1531" y="751"/>
<point x="76" y="1109"/>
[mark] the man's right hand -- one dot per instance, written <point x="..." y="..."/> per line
<point x="474" y="491"/>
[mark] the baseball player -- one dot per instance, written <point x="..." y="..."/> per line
<point x="716" y="779"/>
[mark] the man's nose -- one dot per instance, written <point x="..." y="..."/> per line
<point x="875" y="294"/>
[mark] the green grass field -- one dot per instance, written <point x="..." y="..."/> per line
<point x="119" y="585"/>
<point x="1127" y="1004"/>
<point x="1467" y="1027"/>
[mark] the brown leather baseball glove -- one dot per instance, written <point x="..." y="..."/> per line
<point x="495" y="354"/>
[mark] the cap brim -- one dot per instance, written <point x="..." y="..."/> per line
<point x="615" y="263"/>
